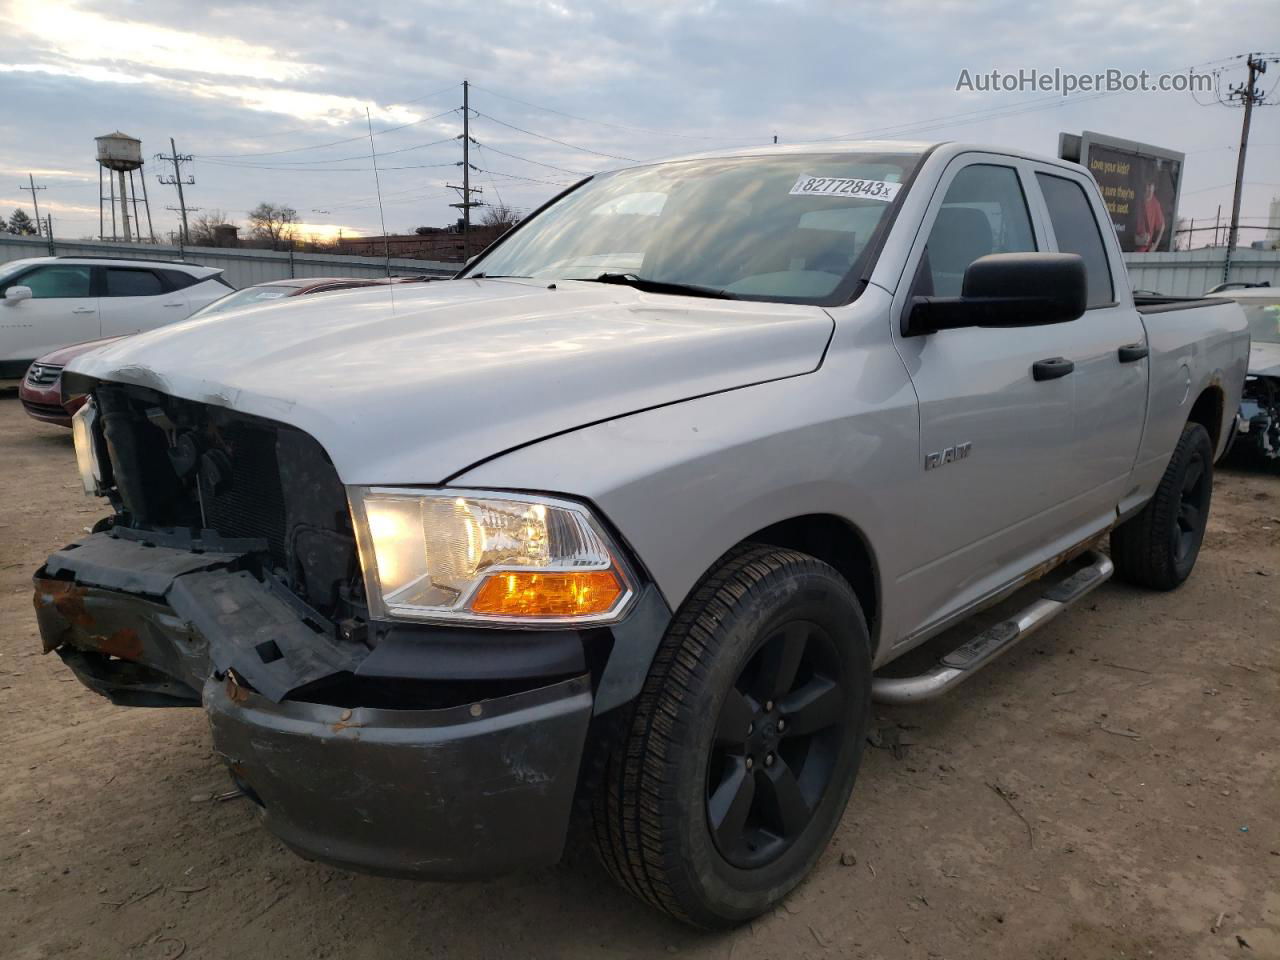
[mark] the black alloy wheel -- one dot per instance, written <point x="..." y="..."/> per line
<point x="745" y="741"/>
<point x="1193" y="505"/>
<point x="1158" y="546"/>
<point x="776" y="743"/>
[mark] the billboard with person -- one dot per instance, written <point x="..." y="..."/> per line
<point x="1139" y="183"/>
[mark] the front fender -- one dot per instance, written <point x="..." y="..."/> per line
<point x="684" y="483"/>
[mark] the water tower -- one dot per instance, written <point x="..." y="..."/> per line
<point x="119" y="155"/>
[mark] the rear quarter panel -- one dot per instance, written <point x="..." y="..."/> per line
<point x="1193" y="349"/>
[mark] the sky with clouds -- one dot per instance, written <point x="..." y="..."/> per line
<point x="271" y="98"/>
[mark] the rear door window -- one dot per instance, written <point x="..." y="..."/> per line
<point x="1076" y="229"/>
<point x="129" y="282"/>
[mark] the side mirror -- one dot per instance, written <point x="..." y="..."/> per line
<point x="16" y="294"/>
<point x="1007" y="290"/>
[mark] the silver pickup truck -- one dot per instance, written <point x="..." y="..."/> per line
<point x="629" y="518"/>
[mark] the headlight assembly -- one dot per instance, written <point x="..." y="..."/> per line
<point x="82" y="423"/>
<point x="482" y="557"/>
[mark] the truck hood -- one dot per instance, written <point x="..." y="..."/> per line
<point x="416" y="390"/>
<point x="1264" y="360"/>
<point x="64" y="355"/>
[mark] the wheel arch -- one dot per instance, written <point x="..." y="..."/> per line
<point x="838" y="542"/>
<point x="1208" y="411"/>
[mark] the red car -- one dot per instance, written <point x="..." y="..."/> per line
<point x="41" y="388"/>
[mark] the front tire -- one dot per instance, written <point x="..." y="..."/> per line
<point x="745" y="742"/>
<point x="1158" y="547"/>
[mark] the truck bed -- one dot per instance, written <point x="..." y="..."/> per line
<point x="1160" y="304"/>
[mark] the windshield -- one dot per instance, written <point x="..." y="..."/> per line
<point x="13" y="267"/>
<point x="787" y="228"/>
<point x="1264" y="321"/>
<point x="248" y="297"/>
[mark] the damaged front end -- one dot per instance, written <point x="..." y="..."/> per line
<point x="229" y="578"/>
<point x="235" y="527"/>
<point x="1258" y="422"/>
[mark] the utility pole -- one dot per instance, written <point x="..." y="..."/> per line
<point x="176" y="180"/>
<point x="466" y="189"/>
<point x="466" y="171"/>
<point x="1248" y="94"/>
<point x="182" y="233"/>
<point x="31" y="189"/>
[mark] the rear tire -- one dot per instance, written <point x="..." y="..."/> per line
<point x="1158" y="547"/>
<point x="745" y="742"/>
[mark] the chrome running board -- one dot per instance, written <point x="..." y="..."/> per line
<point x="967" y="659"/>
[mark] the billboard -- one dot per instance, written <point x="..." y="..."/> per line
<point x="1140" y="185"/>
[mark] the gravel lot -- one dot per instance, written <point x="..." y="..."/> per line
<point x="1109" y="789"/>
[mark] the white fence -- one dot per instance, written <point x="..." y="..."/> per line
<point x="1189" y="273"/>
<point x="241" y="267"/>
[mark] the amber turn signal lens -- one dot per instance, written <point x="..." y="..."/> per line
<point x="527" y="594"/>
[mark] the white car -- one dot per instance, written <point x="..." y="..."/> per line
<point x="51" y="302"/>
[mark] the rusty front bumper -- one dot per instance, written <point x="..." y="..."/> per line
<point x="473" y="789"/>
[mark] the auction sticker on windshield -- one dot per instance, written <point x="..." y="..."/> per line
<point x="808" y="186"/>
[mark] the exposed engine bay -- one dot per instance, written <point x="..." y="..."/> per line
<point x="238" y="525"/>
<point x="184" y="471"/>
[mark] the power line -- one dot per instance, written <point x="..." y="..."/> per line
<point x="493" y="183"/>
<point x="1219" y="186"/>
<point x="256" y="166"/>
<point x="425" y="96"/>
<point x="563" y="143"/>
<point x="606" y="123"/>
<point x="276" y="134"/>
<point x="358" y="156"/>
<point x="512" y="176"/>
<point x="959" y="119"/>
<point x="394" y="196"/>
<point x="515" y="156"/>
<point x="991" y="113"/>
<point x="332" y="143"/>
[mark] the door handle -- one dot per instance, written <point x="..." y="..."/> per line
<point x="1133" y="352"/>
<point x="84" y="310"/>
<point x="176" y="304"/>
<point x="1052" y="368"/>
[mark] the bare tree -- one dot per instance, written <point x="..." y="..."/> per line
<point x="499" y="215"/>
<point x="202" y="227"/>
<point x="274" y="223"/>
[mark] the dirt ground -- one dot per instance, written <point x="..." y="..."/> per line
<point x="1110" y="789"/>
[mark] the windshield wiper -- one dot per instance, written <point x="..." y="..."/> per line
<point x="657" y="286"/>
<point x="496" y="276"/>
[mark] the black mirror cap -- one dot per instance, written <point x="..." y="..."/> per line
<point x="1057" y="279"/>
<point x="1008" y="290"/>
